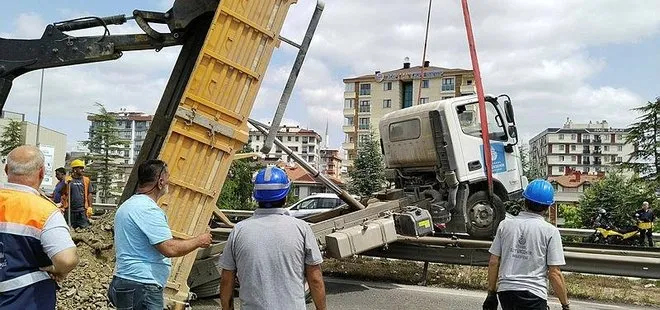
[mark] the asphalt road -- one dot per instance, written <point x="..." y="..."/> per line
<point x="358" y="295"/>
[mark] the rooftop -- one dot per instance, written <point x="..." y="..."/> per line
<point x="406" y="72"/>
<point x="575" y="178"/>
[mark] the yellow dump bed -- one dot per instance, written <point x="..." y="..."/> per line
<point x="211" y="121"/>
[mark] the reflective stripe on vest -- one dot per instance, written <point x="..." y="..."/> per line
<point x="23" y="281"/>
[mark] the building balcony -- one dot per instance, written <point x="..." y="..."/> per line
<point x="468" y="89"/>
<point x="348" y="128"/>
<point x="349" y="94"/>
<point x="347" y="145"/>
<point x="448" y="87"/>
<point x="349" y="111"/>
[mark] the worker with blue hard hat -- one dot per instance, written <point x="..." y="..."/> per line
<point x="272" y="254"/>
<point x="527" y="252"/>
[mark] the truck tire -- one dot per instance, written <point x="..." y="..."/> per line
<point x="484" y="216"/>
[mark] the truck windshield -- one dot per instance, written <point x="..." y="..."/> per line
<point x="468" y="117"/>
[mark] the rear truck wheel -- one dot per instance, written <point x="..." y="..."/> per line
<point x="483" y="215"/>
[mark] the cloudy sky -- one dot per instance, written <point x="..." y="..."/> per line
<point x="587" y="60"/>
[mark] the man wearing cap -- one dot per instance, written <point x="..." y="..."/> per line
<point x="271" y="254"/>
<point x="78" y="196"/>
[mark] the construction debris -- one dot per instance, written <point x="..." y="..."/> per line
<point x="86" y="286"/>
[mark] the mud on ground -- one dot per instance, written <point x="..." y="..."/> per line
<point x="86" y="286"/>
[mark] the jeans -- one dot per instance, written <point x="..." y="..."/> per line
<point x="131" y="295"/>
<point x="78" y="219"/>
<point x="644" y="234"/>
<point x="521" y="300"/>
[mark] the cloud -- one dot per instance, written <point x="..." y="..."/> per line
<point x="536" y="51"/>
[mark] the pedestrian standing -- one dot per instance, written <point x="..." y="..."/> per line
<point x="36" y="249"/>
<point x="271" y="254"/>
<point x="526" y="252"/>
<point x="645" y="218"/>
<point x="144" y="243"/>
<point x="60" y="175"/>
<point x="78" y="196"/>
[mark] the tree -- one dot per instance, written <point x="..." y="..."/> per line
<point x="367" y="175"/>
<point x="105" y="157"/>
<point x="237" y="190"/>
<point x="619" y="195"/>
<point x="524" y="160"/>
<point x="645" y="136"/>
<point x="11" y="137"/>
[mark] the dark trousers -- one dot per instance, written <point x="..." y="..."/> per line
<point x="521" y="300"/>
<point x="38" y="296"/>
<point x="78" y="219"/>
<point x="126" y="294"/>
<point x="644" y="234"/>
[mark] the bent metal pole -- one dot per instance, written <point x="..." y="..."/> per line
<point x="345" y="196"/>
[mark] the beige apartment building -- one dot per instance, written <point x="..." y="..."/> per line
<point x="586" y="148"/>
<point x="368" y="98"/>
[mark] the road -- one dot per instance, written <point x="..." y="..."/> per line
<point x="359" y="295"/>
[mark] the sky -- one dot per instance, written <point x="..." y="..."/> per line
<point x="583" y="60"/>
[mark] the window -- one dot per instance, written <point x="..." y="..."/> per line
<point x="308" y="204"/>
<point x="256" y="138"/>
<point x="573" y="136"/>
<point x="350" y="87"/>
<point x="468" y="117"/>
<point x="365" y="89"/>
<point x="387" y="86"/>
<point x="561" y="158"/>
<point x="561" y="136"/>
<point x="387" y="103"/>
<point x="561" y="147"/>
<point x="469" y="82"/>
<point x="619" y="159"/>
<point x="406" y="130"/>
<point x="348" y="103"/>
<point x="288" y="138"/>
<point x="573" y="158"/>
<point x="364" y="123"/>
<point x="448" y="84"/>
<point x="606" y="148"/>
<point x="348" y="121"/>
<point x="619" y="148"/>
<point x="561" y="169"/>
<point x="425" y="83"/>
<point x="298" y="138"/>
<point x="613" y="157"/>
<point x="573" y="147"/>
<point x="424" y="100"/>
<point x="294" y="148"/>
<point x="586" y="136"/>
<point x="365" y="106"/>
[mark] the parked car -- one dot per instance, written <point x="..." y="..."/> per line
<point x="315" y="204"/>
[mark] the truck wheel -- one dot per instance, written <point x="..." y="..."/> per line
<point x="484" y="216"/>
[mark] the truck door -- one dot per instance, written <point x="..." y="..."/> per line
<point x="505" y="164"/>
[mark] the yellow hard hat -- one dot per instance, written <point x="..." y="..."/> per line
<point x="77" y="163"/>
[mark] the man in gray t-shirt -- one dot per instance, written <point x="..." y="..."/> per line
<point x="271" y="254"/>
<point x="526" y="252"/>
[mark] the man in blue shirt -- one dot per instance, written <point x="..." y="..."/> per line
<point x="144" y="243"/>
<point x="60" y="174"/>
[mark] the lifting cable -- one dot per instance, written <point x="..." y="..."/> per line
<point x="426" y="39"/>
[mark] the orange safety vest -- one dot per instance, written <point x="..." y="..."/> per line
<point x="67" y="194"/>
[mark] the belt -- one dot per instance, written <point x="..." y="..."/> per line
<point x="23" y="281"/>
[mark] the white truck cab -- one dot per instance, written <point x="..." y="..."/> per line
<point x="435" y="151"/>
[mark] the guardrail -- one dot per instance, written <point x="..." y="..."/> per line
<point x="579" y="232"/>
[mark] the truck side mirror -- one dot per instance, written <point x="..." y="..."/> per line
<point x="508" y="107"/>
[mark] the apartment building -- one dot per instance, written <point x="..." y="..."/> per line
<point x="368" y="98"/>
<point x="306" y="143"/>
<point x="331" y="162"/>
<point x="587" y="148"/>
<point x="132" y="127"/>
<point x="52" y="143"/>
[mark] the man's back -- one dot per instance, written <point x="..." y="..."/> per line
<point x="526" y="244"/>
<point x="269" y="252"/>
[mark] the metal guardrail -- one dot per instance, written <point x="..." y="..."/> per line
<point x="578" y="232"/>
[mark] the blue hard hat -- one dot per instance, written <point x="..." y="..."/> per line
<point x="540" y="191"/>
<point x="271" y="184"/>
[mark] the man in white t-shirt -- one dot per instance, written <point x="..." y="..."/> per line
<point x="527" y="252"/>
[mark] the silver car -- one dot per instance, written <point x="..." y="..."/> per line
<point x="315" y="204"/>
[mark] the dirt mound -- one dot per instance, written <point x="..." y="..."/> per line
<point x="87" y="285"/>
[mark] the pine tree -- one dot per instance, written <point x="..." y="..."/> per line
<point x="11" y="137"/>
<point x="104" y="159"/>
<point x="645" y="136"/>
<point x="367" y="175"/>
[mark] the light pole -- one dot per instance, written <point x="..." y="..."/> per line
<point x="41" y="94"/>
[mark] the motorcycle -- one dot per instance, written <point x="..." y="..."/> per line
<point x="606" y="233"/>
